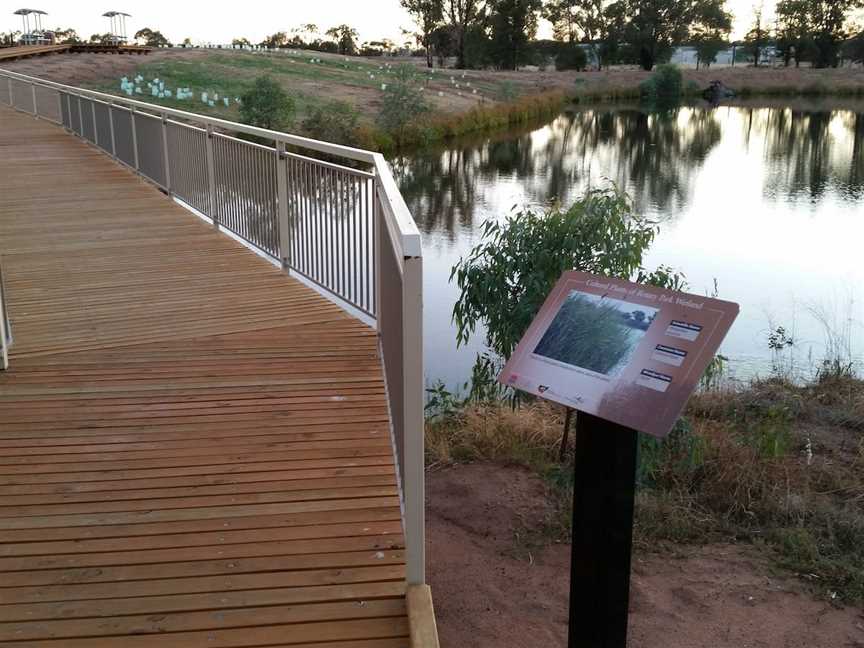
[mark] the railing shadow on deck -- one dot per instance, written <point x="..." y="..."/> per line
<point x="340" y="224"/>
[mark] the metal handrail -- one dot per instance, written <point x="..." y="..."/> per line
<point x="365" y="251"/>
<point x="5" y="326"/>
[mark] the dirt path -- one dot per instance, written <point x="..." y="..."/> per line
<point x="491" y="591"/>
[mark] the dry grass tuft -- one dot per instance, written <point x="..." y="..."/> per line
<point x="776" y="464"/>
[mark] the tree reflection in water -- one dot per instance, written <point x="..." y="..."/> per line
<point x="656" y="156"/>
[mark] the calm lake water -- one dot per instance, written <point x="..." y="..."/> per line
<point x="767" y="201"/>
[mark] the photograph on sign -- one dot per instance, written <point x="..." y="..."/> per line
<point x="629" y="353"/>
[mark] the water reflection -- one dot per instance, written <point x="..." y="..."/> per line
<point x="656" y="157"/>
<point x="766" y="200"/>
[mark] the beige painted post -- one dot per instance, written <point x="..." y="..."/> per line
<point x="211" y="176"/>
<point x="4" y="343"/>
<point x="282" y="198"/>
<point x="414" y="479"/>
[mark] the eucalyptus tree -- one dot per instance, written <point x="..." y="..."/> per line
<point x="655" y="27"/>
<point x="345" y="37"/>
<point x="428" y="15"/>
<point x="464" y="16"/>
<point x="513" y="25"/>
<point x="819" y="27"/>
<point x="599" y="23"/>
<point x="757" y="37"/>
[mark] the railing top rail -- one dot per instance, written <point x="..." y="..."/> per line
<point x="406" y="228"/>
<point x="401" y="223"/>
<point x="295" y="140"/>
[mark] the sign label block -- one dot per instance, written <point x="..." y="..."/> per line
<point x="626" y="352"/>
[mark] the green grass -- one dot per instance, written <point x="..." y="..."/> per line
<point x="232" y="73"/>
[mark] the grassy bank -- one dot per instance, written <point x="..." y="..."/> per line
<point x="462" y="102"/>
<point x="775" y="465"/>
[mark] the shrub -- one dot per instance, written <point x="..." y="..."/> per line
<point x="403" y="100"/>
<point x="267" y="105"/>
<point x="335" y="121"/>
<point x="571" y="58"/>
<point x="507" y="277"/>
<point x="665" y="85"/>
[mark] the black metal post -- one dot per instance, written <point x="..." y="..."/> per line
<point x="603" y="494"/>
<point x="562" y="452"/>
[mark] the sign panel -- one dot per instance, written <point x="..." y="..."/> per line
<point x="629" y="353"/>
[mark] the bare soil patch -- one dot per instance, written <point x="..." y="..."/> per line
<point x="492" y="588"/>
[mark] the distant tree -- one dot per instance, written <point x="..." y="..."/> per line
<point x="8" y="39"/>
<point x="187" y="42"/>
<point x="655" y="27"/>
<point x="708" y="45"/>
<point x="464" y="17"/>
<point x="598" y="23"/>
<point x="310" y="30"/>
<point x="792" y="30"/>
<point x="513" y="26"/>
<point x="854" y="49"/>
<point x="279" y="39"/>
<point x="102" y="39"/>
<point x="267" y="105"/>
<point x="818" y="27"/>
<point x="151" y="38"/>
<point x="241" y="43"/>
<point x="66" y="36"/>
<point x="571" y="57"/>
<point x="443" y="43"/>
<point x="427" y="15"/>
<point x="757" y="37"/>
<point x="345" y="37"/>
<point x="385" y="45"/>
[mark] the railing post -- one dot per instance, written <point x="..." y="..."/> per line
<point x="282" y="204"/>
<point x="93" y="116"/>
<point x="211" y="177"/>
<point x="80" y="116"/>
<point x="134" y="136"/>
<point x="69" y="112"/>
<point x="35" y="108"/>
<point x="165" y="153"/>
<point x="414" y="479"/>
<point x="111" y="126"/>
<point x="11" y="97"/>
<point x="4" y="328"/>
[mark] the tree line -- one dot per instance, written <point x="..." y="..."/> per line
<point x="501" y="33"/>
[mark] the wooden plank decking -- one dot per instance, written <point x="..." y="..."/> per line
<point x="194" y="448"/>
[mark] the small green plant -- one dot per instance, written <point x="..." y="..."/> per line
<point x="770" y="432"/>
<point x="267" y="105"/>
<point x="780" y="340"/>
<point x="403" y="102"/>
<point x="665" y="85"/>
<point x="335" y="121"/>
<point x="440" y="402"/>
<point x="508" y="92"/>
<point x="670" y="462"/>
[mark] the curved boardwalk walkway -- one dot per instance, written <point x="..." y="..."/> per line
<point x="194" y="448"/>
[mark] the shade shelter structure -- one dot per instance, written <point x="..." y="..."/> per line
<point x="31" y="24"/>
<point x="117" y="29"/>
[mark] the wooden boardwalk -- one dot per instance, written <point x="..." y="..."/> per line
<point x="194" y="448"/>
<point x="29" y="51"/>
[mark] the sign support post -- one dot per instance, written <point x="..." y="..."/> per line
<point x="603" y="497"/>
<point x="625" y="357"/>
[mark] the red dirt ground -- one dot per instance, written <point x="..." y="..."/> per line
<point x="491" y="591"/>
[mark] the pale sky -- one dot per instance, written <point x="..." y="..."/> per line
<point x="254" y="19"/>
